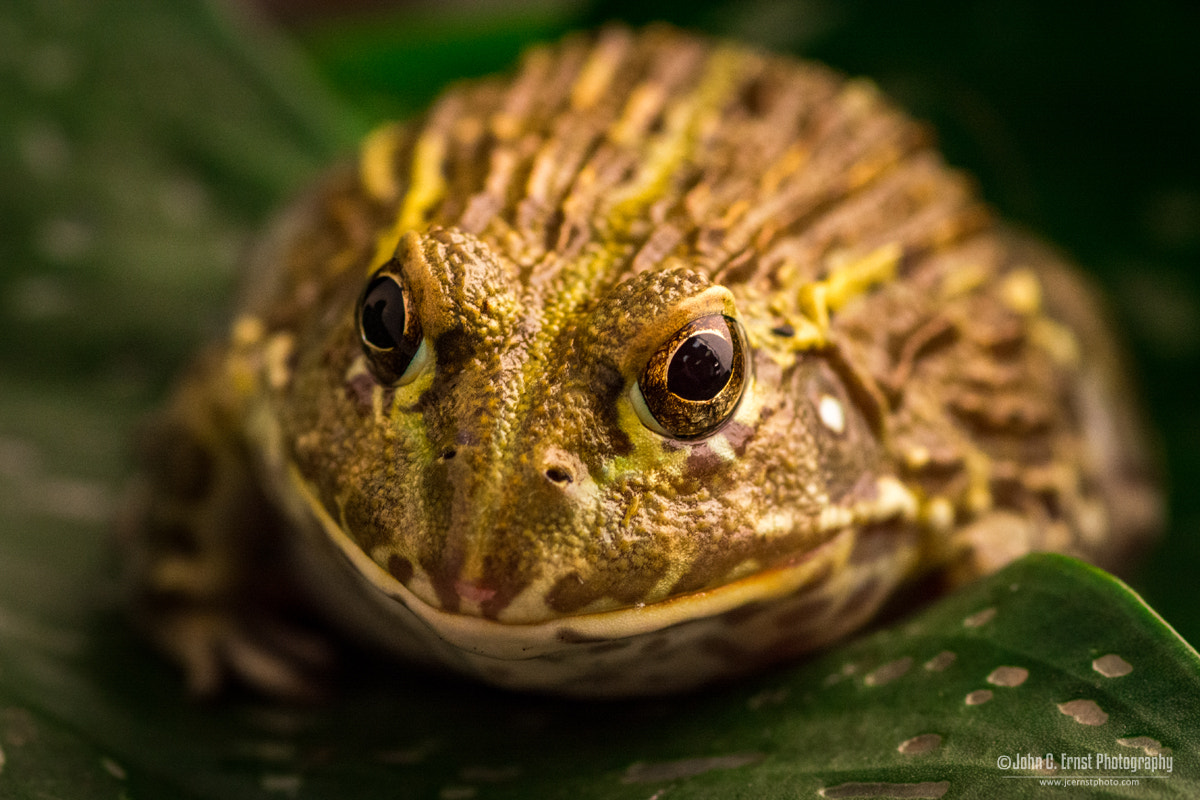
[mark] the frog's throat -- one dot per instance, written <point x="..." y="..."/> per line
<point x="828" y="567"/>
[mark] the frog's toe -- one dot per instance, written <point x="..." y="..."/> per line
<point x="217" y="649"/>
<point x="289" y="666"/>
<point x="189" y="639"/>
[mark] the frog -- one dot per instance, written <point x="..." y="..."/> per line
<point x="657" y="361"/>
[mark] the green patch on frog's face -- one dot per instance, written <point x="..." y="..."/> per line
<point x="545" y="459"/>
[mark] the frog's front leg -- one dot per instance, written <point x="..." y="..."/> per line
<point x="206" y="554"/>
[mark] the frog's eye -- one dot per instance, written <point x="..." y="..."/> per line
<point x="693" y="382"/>
<point x="389" y="330"/>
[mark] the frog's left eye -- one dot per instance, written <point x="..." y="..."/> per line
<point x="693" y="382"/>
<point x="388" y="327"/>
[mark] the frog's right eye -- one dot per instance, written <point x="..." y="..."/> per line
<point x="389" y="328"/>
<point x="694" y="382"/>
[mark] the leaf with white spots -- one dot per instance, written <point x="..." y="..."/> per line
<point x="1021" y="685"/>
<point x="888" y="672"/>
<point x="925" y="743"/>
<point x="1112" y="666"/>
<point x="1149" y="746"/>
<point x="1085" y="712"/>
<point x="1008" y="676"/>
<point x="940" y="662"/>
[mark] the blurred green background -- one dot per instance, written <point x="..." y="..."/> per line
<point x="143" y="141"/>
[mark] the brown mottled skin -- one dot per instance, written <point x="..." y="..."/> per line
<point x="924" y="390"/>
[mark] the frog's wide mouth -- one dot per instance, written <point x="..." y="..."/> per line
<point x="517" y="641"/>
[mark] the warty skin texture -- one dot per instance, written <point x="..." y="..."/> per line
<point x="924" y="390"/>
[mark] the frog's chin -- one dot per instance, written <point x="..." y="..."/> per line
<point x="670" y="645"/>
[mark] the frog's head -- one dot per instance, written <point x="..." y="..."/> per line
<point x="597" y="417"/>
<point x="589" y="449"/>
<point x="558" y="445"/>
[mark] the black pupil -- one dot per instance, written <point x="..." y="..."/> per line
<point x="699" y="369"/>
<point x="383" y="314"/>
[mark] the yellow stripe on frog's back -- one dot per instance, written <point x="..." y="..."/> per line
<point x="426" y="181"/>
<point x="680" y="139"/>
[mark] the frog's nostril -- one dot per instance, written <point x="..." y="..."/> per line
<point x="559" y="475"/>
<point x="560" y="468"/>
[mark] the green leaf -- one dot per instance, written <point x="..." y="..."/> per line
<point x="139" y="141"/>
<point x="1021" y="665"/>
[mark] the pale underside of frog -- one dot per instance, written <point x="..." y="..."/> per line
<point x="655" y="362"/>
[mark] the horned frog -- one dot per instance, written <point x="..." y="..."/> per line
<point x="656" y="362"/>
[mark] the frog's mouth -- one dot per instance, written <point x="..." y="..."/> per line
<point x="834" y="574"/>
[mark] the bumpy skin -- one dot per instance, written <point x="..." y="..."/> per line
<point x="927" y="390"/>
